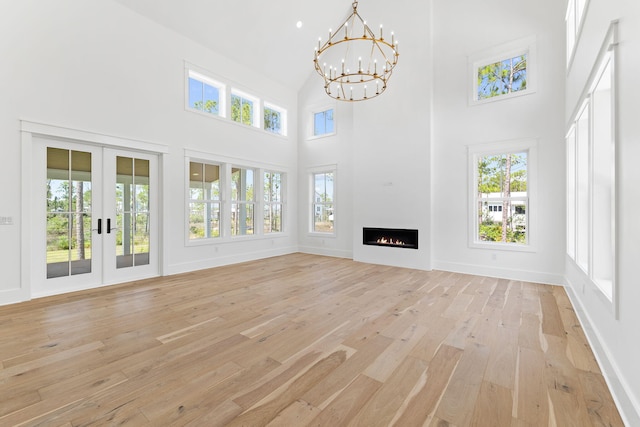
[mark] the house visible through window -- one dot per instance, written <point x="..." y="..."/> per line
<point x="323" y="202"/>
<point x="501" y="197"/>
<point x="323" y="123"/>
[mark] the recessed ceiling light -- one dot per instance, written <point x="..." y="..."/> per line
<point x="299" y="24"/>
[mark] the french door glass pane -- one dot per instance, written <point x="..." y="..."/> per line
<point x="68" y="212"/>
<point x="132" y="212"/>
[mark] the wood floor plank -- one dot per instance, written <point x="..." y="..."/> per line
<point x="343" y="408"/>
<point x="302" y="340"/>
<point x="385" y="404"/>
<point x="434" y="383"/>
<point x="493" y="407"/>
<point x="459" y="399"/>
<point x="265" y="413"/>
<point x="531" y="392"/>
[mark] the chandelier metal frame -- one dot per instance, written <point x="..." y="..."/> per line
<point x="353" y="36"/>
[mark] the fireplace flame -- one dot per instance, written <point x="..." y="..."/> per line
<point x="390" y="241"/>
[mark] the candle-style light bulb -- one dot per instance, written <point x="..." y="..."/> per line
<point x="360" y="64"/>
<point x="319" y="40"/>
<point x="375" y="67"/>
<point x="346" y="27"/>
<point x="329" y="34"/>
<point x="392" y="43"/>
<point x="343" y="67"/>
<point x="365" y="91"/>
<point x="381" y="38"/>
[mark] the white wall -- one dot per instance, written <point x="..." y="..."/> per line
<point x="99" y="67"/>
<point x="458" y="125"/>
<point x="615" y="341"/>
<point x="381" y="148"/>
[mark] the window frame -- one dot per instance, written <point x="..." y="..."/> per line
<point x="226" y="164"/>
<point x="190" y="200"/>
<point x="283" y="118"/>
<point x="574" y="22"/>
<point x="242" y="200"/>
<point x="244" y="96"/>
<point x="524" y="46"/>
<point x="190" y="73"/>
<point x="475" y="152"/>
<point x="586" y="262"/>
<point x="268" y="203"/>
<point x="316" y="109"/>
<point x="332" y="169"/>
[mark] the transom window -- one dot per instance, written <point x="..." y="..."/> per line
<point x="209" y="96"/>
<point x="275" y="119"/>
<point x="323" y="202"/>
<point x="205" y="95"/>
<point x="502" y="77"/>
<point x="503" y="72"/>
<point x="323" y="123"/>
<point x="244" y="108"/>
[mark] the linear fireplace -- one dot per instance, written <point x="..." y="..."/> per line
<point x="391" y="237"/>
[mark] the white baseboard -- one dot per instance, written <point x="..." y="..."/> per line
<point x="12" y="296"/>
<point x="627" y="404"/>
<point x="501" y="273"/>
<point x="187" y="267"/>
<point x="336" y="253"/>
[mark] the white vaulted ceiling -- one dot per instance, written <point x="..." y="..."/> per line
<point x="261" y="34"/>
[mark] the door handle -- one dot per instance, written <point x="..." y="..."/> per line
<point x="109" y="229"/>
<point x="99" y="229"/>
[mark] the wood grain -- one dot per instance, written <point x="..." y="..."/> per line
<point x="302" y="340"/>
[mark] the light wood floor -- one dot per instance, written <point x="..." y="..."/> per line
<point x="302" y="340"/>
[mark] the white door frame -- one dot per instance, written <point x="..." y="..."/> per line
<point x="28" y="131"/>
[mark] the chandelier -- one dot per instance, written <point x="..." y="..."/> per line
<point x="354" y="62"/>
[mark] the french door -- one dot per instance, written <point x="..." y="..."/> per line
<point x="95" y="219"/>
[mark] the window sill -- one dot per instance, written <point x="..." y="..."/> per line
<point x="498" y="246"/>
<point x="321" y="234"/>
<point x="235" y="239"/>
<point x="324" y="135"/>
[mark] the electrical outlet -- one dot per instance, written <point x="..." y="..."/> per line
<point x="6" y="220"/>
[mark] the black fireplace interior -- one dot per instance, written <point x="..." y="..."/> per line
<point x="391" y="237"/>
